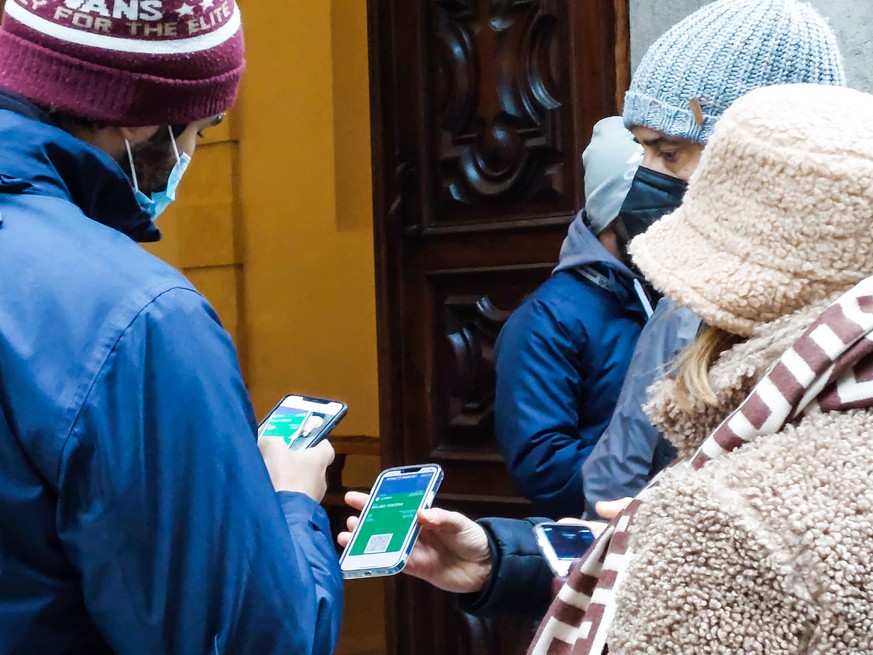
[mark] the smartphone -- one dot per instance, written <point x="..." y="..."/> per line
<point x="387" y="528"/>
<point x="302" y="421"/>
<point x="562" y="544"/>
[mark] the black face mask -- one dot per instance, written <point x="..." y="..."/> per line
<point x="651" y="196"/>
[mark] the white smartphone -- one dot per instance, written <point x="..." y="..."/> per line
<point x="562" y="544"/>
<point x="302" y="421"/>
<point x="387" y="529"/>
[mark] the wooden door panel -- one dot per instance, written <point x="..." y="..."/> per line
<point x="491" y="124"/>
<point x="480" y="111"/>
<point x="467" y="308"/>
<point x="499" y="81"/>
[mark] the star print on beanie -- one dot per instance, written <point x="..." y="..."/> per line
<point x="124" y="62"/>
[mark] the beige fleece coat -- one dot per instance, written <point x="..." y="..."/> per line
<point x="767" y="550"/>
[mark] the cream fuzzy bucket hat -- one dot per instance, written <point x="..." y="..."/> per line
<point x="779" y="213"/>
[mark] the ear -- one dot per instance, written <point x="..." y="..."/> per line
<point x="110" y="139"/>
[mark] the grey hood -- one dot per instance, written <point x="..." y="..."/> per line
<point x="581" y="248"/>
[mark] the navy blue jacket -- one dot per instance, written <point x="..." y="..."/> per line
<point x="136" y="513"/>
<point x="561" y="359"/>
<point x="521" y="580"/>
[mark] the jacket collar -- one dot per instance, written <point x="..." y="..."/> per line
<point x="583" y="254"/>
<point x="37" y="158"/>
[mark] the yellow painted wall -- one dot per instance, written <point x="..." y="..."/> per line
<point x="309" y="276"/>
<point x="274" y="221"/>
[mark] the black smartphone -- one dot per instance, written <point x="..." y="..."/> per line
<point x="302" y="421"/>
<point x="562" y="544"/>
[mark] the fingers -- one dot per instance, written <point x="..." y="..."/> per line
<point x="325" y="452"/>
<point x="343" y="538"/>
<point x="275" y="448"/>
<point x="272" y="445"/>
<point x="297" y="470"/>
<point x="611" y="508"/>
<point x="571" y="520"/>
<point x="443" y="520"/>
<point x="356" y="499"/>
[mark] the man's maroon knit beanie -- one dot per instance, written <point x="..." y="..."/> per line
<point x="124" y="62"/>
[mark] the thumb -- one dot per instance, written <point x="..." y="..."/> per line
<point x="611" y="508"/>
<point x="272" y="444"/>
<point x="356" y="499"/>
<point x="442" y="520"/>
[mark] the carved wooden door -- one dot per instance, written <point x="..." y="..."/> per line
<point x="481" y="109"/>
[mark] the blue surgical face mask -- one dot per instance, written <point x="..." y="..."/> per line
<point x="155" y="205"/>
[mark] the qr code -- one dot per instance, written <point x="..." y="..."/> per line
<point x="378" y="543"/>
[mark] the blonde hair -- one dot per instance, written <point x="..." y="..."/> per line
<point x="692" y="367"/>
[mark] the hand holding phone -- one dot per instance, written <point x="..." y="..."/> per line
<point x="451" y="553"/>
<point x="387" y="530"/>
<point x="302" y="421"/>
<point x="562" y="544"/>
<point x="302" y="471"/>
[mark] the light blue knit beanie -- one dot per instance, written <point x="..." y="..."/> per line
<point x="701" y="65"/>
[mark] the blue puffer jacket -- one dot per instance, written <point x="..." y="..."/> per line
<point x="136" y="513"/>
<point x="561" y="360"/>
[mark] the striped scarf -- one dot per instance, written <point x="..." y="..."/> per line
<point x="830" y="368"/>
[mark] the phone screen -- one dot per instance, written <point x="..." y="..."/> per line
<point x="285" y="422"/>
<point x="568" y="541"/>
<point x="391" y="514"/>
<point x="299" y="418"/>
